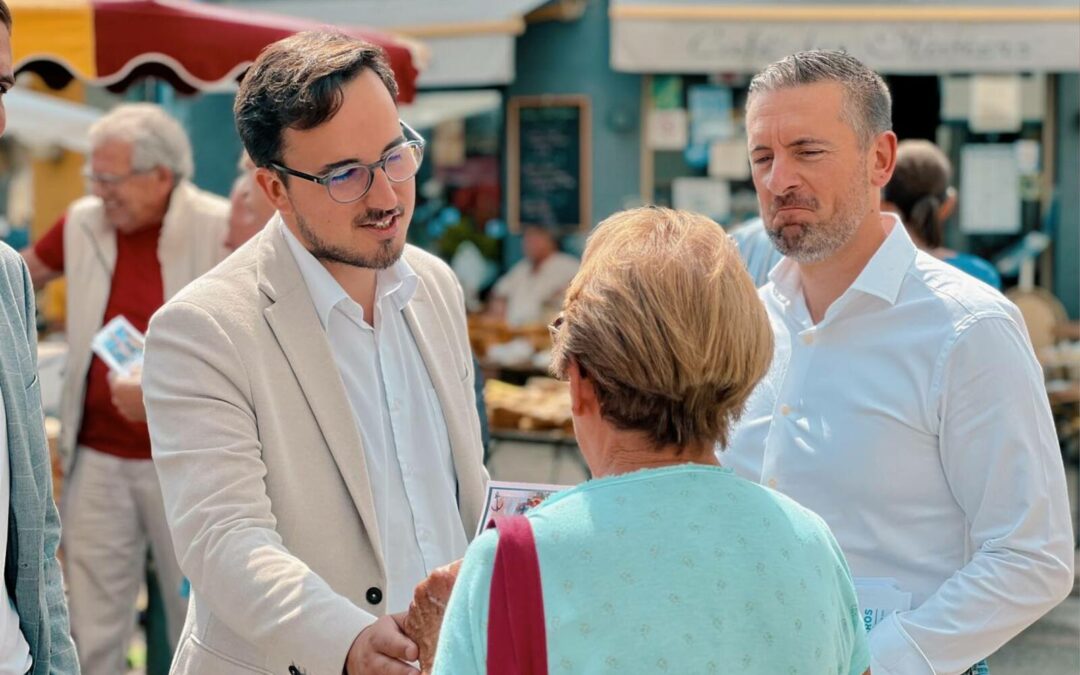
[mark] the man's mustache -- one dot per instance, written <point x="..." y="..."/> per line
<point x="376" y="216"/>
<point x="794" y="200"/>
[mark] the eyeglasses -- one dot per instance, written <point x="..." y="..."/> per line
<point x="110" y="179"/>
<point x="351" y="182"/>
<point x="555" y="326"/>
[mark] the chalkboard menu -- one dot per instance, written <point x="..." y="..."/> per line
<point x="549" y="153"/>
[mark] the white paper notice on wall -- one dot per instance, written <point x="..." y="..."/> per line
<point x="668" y="129"/>
<point x="996" y="104"/>
<point x="707" y="196"/>
<point x="1027" y="157"/>
<point x="729" y="159"/>
<point x="989" y="189"/>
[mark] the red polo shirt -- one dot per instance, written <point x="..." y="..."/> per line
<point x="137" y="292"/>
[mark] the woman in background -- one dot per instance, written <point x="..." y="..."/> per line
<point x="921" y="194"/>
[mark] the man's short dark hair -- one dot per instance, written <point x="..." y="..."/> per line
<point x="867" y="102"/>
<point x="5" y="15"/>
<point x="296" y="83"/>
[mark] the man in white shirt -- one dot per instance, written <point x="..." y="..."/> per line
<point x="904" y="403"/>
<point x="311" y="400"/>
<point x="532" y="291"/>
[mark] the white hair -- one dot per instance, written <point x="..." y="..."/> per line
<point x="156" y="138"/>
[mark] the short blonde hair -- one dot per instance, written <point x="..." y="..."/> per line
<point x="666" y="323"/>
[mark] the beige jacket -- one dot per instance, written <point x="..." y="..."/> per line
<point x="262" y="468"/>
<point x="192" y="241"/>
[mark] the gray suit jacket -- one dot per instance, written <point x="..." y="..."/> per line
<point x="32" y="573"/>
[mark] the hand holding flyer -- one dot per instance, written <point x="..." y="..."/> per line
<point x="878" y="598"/>
<point x="506" y="499"/>
<point x="120" y="346"/>
<point x="424" y="620"/>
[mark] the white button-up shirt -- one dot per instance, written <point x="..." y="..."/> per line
<point x="914" y="420"/>
<point x="405" y="442"/>
<point x="534" y="296"/>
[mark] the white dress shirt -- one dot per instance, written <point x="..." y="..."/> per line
<point x="914" y="420"/>
<point x="533" y="294"/>
<point x="14" y="651"/>
<point x="401" y="424"/>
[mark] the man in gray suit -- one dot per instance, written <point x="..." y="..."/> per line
<point x="34" y="633"/>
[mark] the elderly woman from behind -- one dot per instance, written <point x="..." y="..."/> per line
<point x="667" y="561"/>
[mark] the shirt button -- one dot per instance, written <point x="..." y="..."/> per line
<point x="785" y="410"/>
<point x="808" y="338"/>
<point x="373" y="595"/>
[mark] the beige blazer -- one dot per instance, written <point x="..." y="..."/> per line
<point x="192" y="241"/>
<point x="262" y="468"/>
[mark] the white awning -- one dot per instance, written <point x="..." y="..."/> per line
<point x="470" y="42"/>
<point x="429" y="109"/>
<point x="39" y="120"/>
<point x="891" y="36"/>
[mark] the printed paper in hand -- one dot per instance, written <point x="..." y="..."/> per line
<point x="878" y="598"/>
<point x="120" y="346"/>
<point x="507" y="499"/>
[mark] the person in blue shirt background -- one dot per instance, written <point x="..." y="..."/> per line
<point x="919" y="192"/>
<point x="756" y="249"/>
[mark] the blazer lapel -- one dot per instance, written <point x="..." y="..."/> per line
<point x="297" y="328"/>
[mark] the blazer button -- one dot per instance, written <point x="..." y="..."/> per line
<point x="374" y="595"/>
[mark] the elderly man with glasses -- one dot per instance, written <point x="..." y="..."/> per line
<point x="311" y="400"/>
<point x="143" y="233"/>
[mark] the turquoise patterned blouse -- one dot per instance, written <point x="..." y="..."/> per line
<point x="685" y="569"/>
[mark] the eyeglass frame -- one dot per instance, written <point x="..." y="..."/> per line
<point x="555" y="327"/>
<point x="324" y="180"/>
<point x="112" y="180"/>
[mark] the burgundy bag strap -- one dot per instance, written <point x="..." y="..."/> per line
<point x="517" y="642"/>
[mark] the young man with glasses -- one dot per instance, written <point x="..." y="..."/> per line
<point x="142" y="234"/>
<point x="310" y="401"/>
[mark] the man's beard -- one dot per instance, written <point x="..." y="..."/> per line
<point x="387" y="253"/>
<point x="816" y="242"/>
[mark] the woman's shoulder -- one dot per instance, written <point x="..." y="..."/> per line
<point x="688" y="491"/>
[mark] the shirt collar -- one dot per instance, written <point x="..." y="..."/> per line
<point x="785" y="279"/>
<point x="882" y="276"/>
<point x="397" y="282"/>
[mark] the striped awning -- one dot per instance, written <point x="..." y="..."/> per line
<point x="193" y="46"/>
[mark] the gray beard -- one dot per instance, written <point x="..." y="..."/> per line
<point x="384" y="256"/>
<point x="820" y="241"/>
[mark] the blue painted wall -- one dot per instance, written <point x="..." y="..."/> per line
<point x="216" y="145"/>
<point x="574" y="58"/>
<point x="1067" y="225"/>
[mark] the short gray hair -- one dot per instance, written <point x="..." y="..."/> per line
<point x="156" y="138"/>
<point x="867" y="102"/>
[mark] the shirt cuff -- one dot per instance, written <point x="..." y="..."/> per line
<point x="893" y="652"/>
